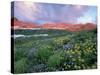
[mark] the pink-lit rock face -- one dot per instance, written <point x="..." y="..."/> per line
<point x="16" y="24"/>
<point x="70" y="27"/>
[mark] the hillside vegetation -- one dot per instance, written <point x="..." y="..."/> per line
<point x="59" y="51"/>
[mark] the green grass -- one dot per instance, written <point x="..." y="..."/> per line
<point x="48" y="53"/>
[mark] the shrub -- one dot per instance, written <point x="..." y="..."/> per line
<point x="44" y="52"/>
<point x="54" y="61"/>
<point x="20" y="66"/>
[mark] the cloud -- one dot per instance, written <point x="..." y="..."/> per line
<point x="24" y="11"/>
<point x="44" y="12"/>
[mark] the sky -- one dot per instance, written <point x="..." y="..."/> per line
<point x="41" y="13"/>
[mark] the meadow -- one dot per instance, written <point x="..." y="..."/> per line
<point x="59" y="51"/>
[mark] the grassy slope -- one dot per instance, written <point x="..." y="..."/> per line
<point x="38" y="54"/>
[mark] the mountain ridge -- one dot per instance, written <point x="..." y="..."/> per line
<point x="16" y="24"/>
